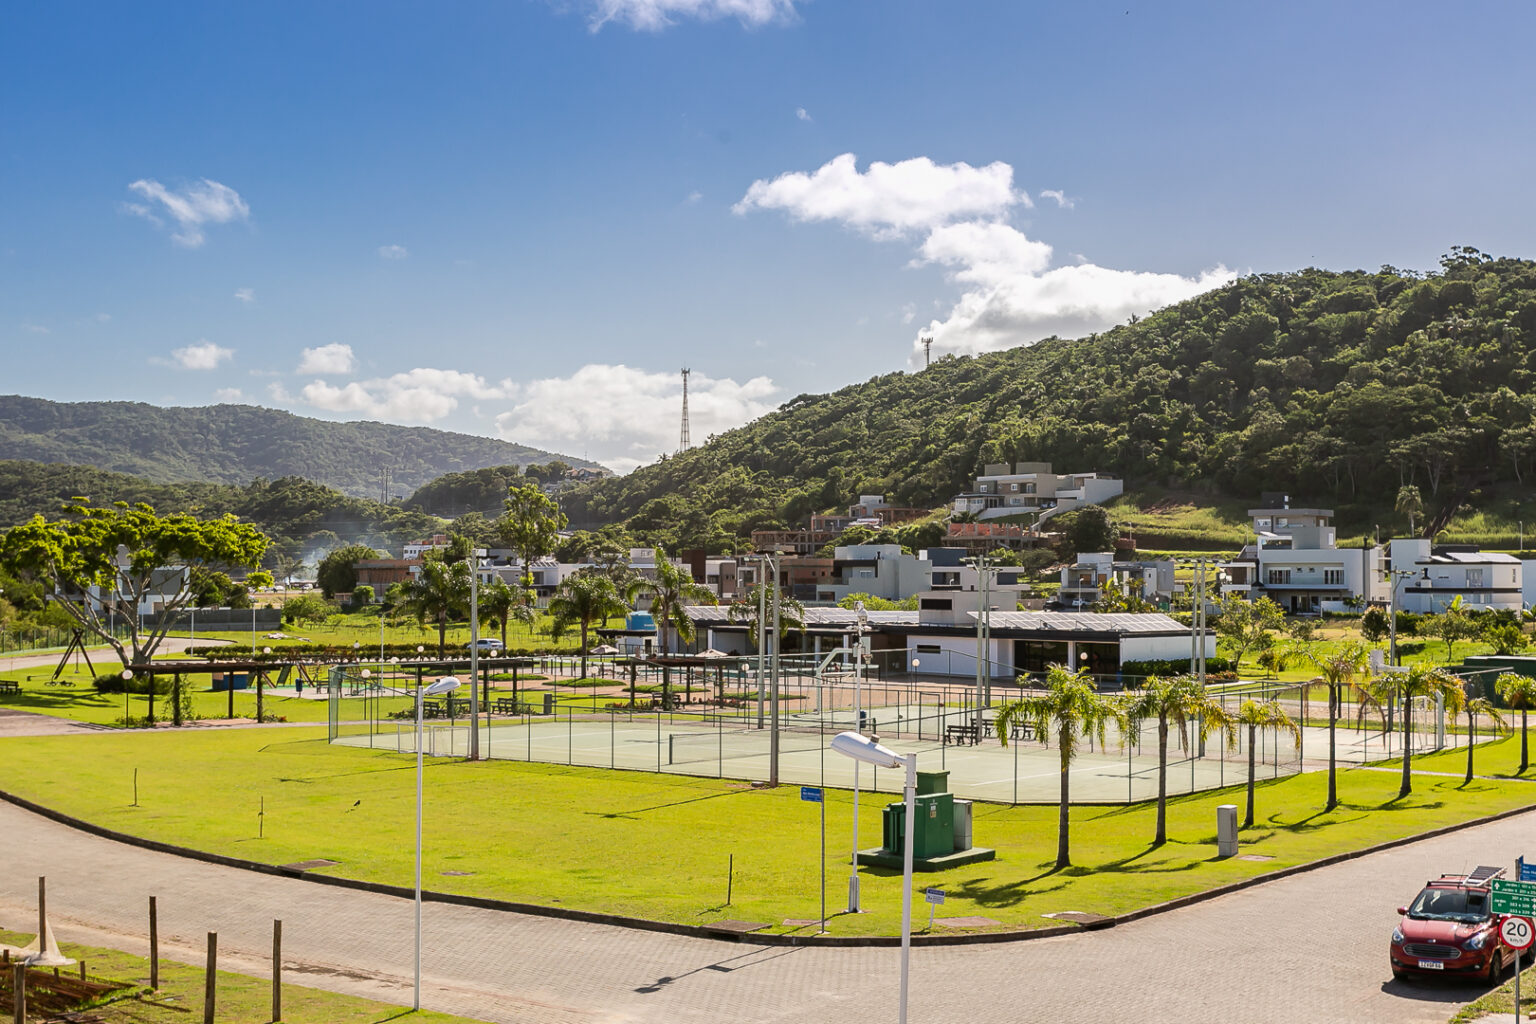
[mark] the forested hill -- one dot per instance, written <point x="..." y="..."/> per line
<point x="301" y="517"/>
<point x="1337" y="387"/>
<point x="236" y="444"/>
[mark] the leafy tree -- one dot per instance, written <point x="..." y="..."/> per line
<point x="133" y="557"/>
<point x="1071" y="709"/>
<point x="1374" y="625"/>
<point x="1244" y="625"/>
<point x="671" y="589"/>
<point x="1091" y="529"/>
<point x="1339" y="669"/>
<point x="1255" y="715"/>
<point x="582" y="598"/>
<point x="1409" y="503"/>
<point x="1177" y="701"/>
<point x="1452" y="626"/>
<point x="501" y="602"/>
<point x="439" y="593"/>
<point x="337" y="571"/>
<point x="530" y="525"/>
<point x="1472" y="707"/>
<point x="1505" y="637"/>
<point x="307" y="609"/>
<point x="362" y="596"/>
<point x="1518" y="692"/>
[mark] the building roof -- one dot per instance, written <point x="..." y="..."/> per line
<point x="1471" y="558"/>
<point x="1094" y="624"/>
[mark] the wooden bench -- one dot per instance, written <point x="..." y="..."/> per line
<point x="432" y="709"/>
<point x="956" y="734"/>
<point x="9" y="686"/>
<point x="510" y="706"/>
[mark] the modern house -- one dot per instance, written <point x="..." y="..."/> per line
<point x="1086" y="581"/>
<point x="1031" y="487"/>
<point x="1442" y="573"/>
<point x="1296" y="562"/>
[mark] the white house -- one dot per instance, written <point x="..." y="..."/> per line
<point x="1482" y="579"/>
<point x="1094" y="573"/>
<point x="1296" y="562"/>
<point x="1003" y="490"/>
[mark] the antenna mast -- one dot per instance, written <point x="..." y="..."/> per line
<point x="927" y="341"/>
<point x="684" y="443"/>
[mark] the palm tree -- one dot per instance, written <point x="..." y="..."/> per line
<point x="1339" y="669"/>
<point x="1423" y="680"/>
<point x="1256" y="716"/>
<point x="671" y="589"/>
<point x="582" y="598"/>
<point x="1071" y="708"/>
<point x="1472" y="707"/>
<point x="1176" y="701"/>
<point x="744" y="609"/>
<point x="501" y="602"/>
<point x="440" y="592"/>
<point x="1519" y="692"/>
<point x="1409" y="503"/>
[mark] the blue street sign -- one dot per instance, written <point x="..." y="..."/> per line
<point x="1527" y="871"/>
<point x="810" y="794"/>
<point x="933" y="895"/>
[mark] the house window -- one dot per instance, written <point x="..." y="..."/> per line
<point x="928" y="649"/>
<point x="1474" y="577"/>
<point x="1029" y="488"/>
<point x="1014" y="488"/>
<point x="1333" y="577"/>
<point x="1279" y="576"/>
<point x="936" y="604"/>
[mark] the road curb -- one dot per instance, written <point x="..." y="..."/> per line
<point x="705" y="932"/>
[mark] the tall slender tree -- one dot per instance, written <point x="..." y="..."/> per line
<point x="1423" y="680"/>
<point x="1340" y="668"/>
<point x="1472" y="707"/>
<point x="744" y="609"/>
<point x="1518" y="692"/>
<point x="581" y="599"/>
<point x="1071" y="709"/>
<point x="502" y="602"/>
<point x="1255" y="715"/>
<point x="1409" y="503"/>
<point x="530" y="525"/>
<point x="672" y="589"/>
<point x="1178" y="702"/>
<point x="439" y="593"/>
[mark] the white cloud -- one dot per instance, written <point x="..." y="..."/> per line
<point x="888" y="199"/>
<point x="246" y="295"/>
<point x="203" y="202"/>
<point x="35" y="329"/>
<point x="802" y="114"/>
<point x="229" y="395"/>
<point x="393" y="252"/>
<point x="1062" y="199"/>
<point x="205" y="355"/>
<point x="625" y="416"/>
<point x="1011" y="293"/>
<point x="655" y="15"/>
<point x="694" y="197"/>
<point x="421" y="395"/>
<point x="1012" y="298"/>
<point x="334" y="358"/>
<point x="103" y="318"/>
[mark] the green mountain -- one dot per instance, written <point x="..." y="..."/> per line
<point x="235" y="444"/>
<point x="300" y="516"/>
<point x="1336" y="387"/>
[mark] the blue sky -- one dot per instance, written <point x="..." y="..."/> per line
<point x="520" y="218"/>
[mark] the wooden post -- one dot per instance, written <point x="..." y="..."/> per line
<point x="277" y="970"/>
<point x="19" y="992"/>
<point x="154" y="946"/>
<point x="210" y="977"/>
<point x="42" y="915"/>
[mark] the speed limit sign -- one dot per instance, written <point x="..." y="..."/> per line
<point x="1517" y="932"/>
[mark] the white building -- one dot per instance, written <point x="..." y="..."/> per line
<point x="1482" y="579"/>
<point x="1031" y="487"/>
<point x="1296" y="562"/>
<point x="1096" y="573"/>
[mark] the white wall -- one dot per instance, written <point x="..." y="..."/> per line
<point x="957" y="657"/>
<point x="1161" y="648"/>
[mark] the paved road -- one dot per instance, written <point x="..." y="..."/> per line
<point x="1309" y="948"/>
<point x="170" y="645"/>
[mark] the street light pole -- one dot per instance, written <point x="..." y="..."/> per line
<point x="444" y="685"/>
<point x="762" y="630"/>
<point x="778" y="645"/>
<point x="861" y="623"/>
<point x="474" y="653"/>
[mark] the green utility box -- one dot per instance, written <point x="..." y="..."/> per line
<point x="935" y="832"/>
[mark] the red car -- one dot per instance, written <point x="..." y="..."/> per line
<point x="1449" y="930"/>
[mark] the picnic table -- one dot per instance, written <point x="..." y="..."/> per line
<point x="9" y="686"/>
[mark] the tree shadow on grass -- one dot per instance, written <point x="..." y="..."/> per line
<point x="660" y="807"/>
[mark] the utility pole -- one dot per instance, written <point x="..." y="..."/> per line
<point x="985" y="572"/>
<point x="773" y="737"/>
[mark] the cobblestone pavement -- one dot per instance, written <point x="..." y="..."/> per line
<point x="1311" y="948"/>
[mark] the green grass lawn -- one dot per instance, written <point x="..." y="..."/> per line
<point x="239" y="997"/>
<point x="658" y="846"/>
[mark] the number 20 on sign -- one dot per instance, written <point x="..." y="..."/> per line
<point x="1517" y="932"/>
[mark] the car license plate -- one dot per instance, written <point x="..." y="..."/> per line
<point x="1432" y="965"/>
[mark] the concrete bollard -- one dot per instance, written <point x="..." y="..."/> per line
<point x="1226" y="830"/>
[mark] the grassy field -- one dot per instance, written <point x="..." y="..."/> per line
<point x="239" y="997"/>
<point x="658" y="846"/>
